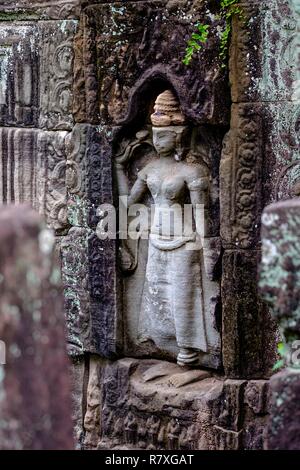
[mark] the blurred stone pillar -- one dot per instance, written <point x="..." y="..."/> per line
<point x="35" y="408"/>
<point x="280" y="287"/>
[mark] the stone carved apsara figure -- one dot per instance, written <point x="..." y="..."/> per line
<point x="172" y="306"/>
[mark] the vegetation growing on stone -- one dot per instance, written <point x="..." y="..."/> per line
<point x="228" y="9"/>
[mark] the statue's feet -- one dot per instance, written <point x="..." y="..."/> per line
<point x="191" y="376"/>
<point x="187" y="357"/>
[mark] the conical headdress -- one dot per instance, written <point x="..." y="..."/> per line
<point x="167" y="111"/>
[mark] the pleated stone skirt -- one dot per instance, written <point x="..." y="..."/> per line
<point x="172" y="305"/>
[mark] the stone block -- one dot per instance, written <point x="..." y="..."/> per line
<point x="106" y="318"/>
<point x="56" y="74"/>
<point x="33" y="170"/>
<point x="227" y="440"/>
<point x="92" y="417"/>
<point x="50" y="179"/>
<point x="282" y="155"/>
<point x="19" y="74"/>
<point x="18" y="166"/>
<point x="35" y="395"/>
<point x="264" y="52"/>
<point x="245" y="53"/>
<point x="253" y="437"/>
<point x="249" y="334"/>
<point x="78" y="384"/>
<point x="241" y="177"/>
<point x="283" y="428"/>
<point x="76" y="176"/>
<point x="144" y="408"/>
<point x="279" y="280"/>
<point x="228" y="410"/>
<point x="139" y="43"/>
<point x="41" y="9"/>
<point x="74" y="254"/>
<point x="256" y="395"/>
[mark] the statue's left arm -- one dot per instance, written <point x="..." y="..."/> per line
<point x="198" y="185"/>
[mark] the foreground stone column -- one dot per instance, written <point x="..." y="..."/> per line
<point x="280" y="287"/>
<point x="35" y="410"/>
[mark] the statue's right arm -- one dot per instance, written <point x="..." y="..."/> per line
<point x="138" y="189"/>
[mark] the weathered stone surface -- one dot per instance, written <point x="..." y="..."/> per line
<point x="227" y="411"/>
<point x="142" y="42"/>
<point x="18" y="166"/>
<point x="227" y="440"/>
<point x="89" y="264"/>
<point x="92" y="417"/>
<point x="78" y="146"/>
<point x="248" y="331"/>
<point x="282" y="158"/>
<point x="254" y="434"/>
<point x="280" y="287"/>
<point x="50" y="179"/>
<point x="56" y="74"/>
<point x="19" y="74"/>
<point x="241" y="177"/>
<point x="44" y="9"/>
<point x="280" y="71"/>
<point x="35" y="403"/>
<point x="74" y="254"/>
<point x="154" y="414"/>
<point x="245" y="52"/>
<point x="264" y="52"/>
<point x="126" y="53"/>
<point x="33" y="170"/>
<point x="78" y="388"/>
<point x="142" y="408"/>
<point x="283" y="428"/>
<point x="106" y="322"/>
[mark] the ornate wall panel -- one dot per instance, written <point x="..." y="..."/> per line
<point x="241" y="177"/>
<point x="135" y="41"/>
<point x="56" y="74"/>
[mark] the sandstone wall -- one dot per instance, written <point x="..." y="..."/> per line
<point x="76" y="78"/>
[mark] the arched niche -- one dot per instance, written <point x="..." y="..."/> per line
<point x="132" y="150"/>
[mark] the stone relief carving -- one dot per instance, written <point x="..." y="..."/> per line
<point x="283" y="147"/>
<point x="127" y="40"/>
<point x="210" y="413"/>
<point x="51" y="179"/>
<point x="56" y="74"/>
<point x="33" y="170"/>
<point x="18" y="75"/>
<point x="241" y="173"/>
<point x="18" y="167"/>
<point x="172" y="277"/>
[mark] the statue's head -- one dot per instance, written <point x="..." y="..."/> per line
<point x="169" y="129"/>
